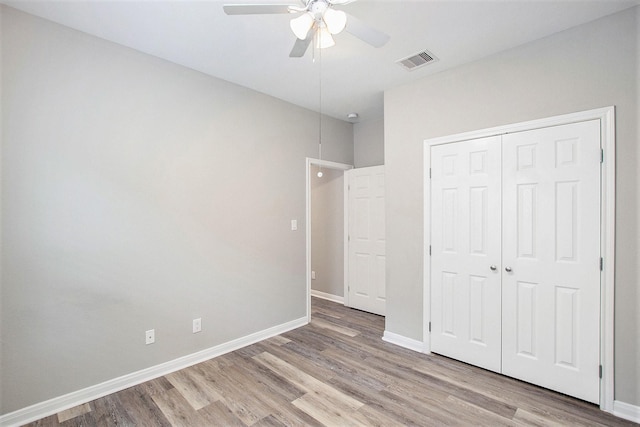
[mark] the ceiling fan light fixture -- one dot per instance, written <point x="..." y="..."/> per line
<point x="336" y="20"/>
<point x="323" y="38"/>
<point x="301" y="25"/>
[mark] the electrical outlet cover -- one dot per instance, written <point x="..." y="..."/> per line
<point x="150" y="336"/>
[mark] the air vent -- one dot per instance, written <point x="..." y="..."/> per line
<point x="418" y="60"/>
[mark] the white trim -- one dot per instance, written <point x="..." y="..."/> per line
<point x="329" y="165"/>
<point x="403" y="341"/>
<point x="328" y="297"/>
<point x="70" y="400"/>
<point x="607" y="230"/>
<point x="345" y="247"/>
<point x="426" y="263"/>
<point x="607" y="242"/>
<point x="626" y="410"/>
<point x="597" y="114"/>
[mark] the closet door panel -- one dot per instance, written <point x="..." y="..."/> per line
<point x="551" y="257"/>
<point x="465" y="230"/>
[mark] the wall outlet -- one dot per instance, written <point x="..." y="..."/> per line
<point x="150" y="336"/>
<point x="294" y="224"/>
<point x="313" y="275"/>
<point x="197" y="325"/>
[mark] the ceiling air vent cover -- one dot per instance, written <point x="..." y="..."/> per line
<point x="418" y="60"/>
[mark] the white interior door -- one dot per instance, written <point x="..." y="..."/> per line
<point x="366" y="286"/>
<point x="551" y="258"/>
<point x="465" y="252"/>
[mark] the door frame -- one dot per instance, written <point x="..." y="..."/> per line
<point x="327" y="165"/>
<point x="607" y="227"/>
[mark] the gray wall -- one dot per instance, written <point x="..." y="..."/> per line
<point x="591" y="66"/>
<point x="327" y="231"/>
<point x="368" y="143"/>
<point x="139" y="194"/>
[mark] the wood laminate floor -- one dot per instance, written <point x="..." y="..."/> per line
<point x="336" y="371"/>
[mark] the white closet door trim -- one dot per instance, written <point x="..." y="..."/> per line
<point x="607" y="228"/>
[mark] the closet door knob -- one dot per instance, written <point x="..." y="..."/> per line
<point x="493" y="268"/>
<point x="507" y="269"/>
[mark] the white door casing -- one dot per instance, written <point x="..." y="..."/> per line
<point x="465" y="274"/>
<point x="366" y="242"/>
<point x="548" y="261"/>
<point x="551" y="245"/>
<point x="607" y="228"/>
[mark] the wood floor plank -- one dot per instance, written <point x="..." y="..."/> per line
<point x="193" y="387"/>
<point x="320" y="311"/>
<point x="292" y="354"/>
<point x="476" y="413"/>
<point x="110" y="411"/>
<point x="329" y="410"/>
<point x="337" y="328"/>
<point x="278" y="340"/>
<point x="291" y="416"/>
<point x="265" y="382"/>
<point x="140" y="406"/>
<point x="394" y="407"/>
<point x="525" y="418"/>
<point x="270" y="421"/>
<point x="377" y="418"/>
<point x="237" y="394"/>
<point x="51" y="421"/>
<point x="412" y="380"/>
<point x="177" y="410"/>
<point x="307" y="382"/>
<point x="556" y="407"/>
<point x="156" y="385"/>
<point x="218" y="414"/>
<point x="73" y="412"/>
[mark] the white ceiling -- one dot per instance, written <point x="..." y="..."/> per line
<point x="253" y="50"/>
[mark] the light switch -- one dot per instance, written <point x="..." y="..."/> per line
<point x="294" y="224"/>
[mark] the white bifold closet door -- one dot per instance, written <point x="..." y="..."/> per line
<point x="541" y="303"/>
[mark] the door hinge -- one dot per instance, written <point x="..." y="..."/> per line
<point x="429" y="250"/>
<point x="600" y="371"/>
<point x="429" y="326"/>
<point x="602" y="155"/>
<point x="601" y="264"/>
<point x="429" y="173"/>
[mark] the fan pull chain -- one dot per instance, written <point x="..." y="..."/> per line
<point x="319" y="108"/>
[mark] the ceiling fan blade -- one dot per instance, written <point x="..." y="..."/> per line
<point x="366" y="33"/>
<point x="254" y="9"/>
<point x="300" y="47"/>
<point x="340" y="2"/>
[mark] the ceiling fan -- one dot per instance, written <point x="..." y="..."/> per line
<point x="317" y="20"/>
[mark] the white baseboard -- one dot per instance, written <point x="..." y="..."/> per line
<point x="626" y="410"/>
<point x="70" y="400"/>
<point x="330" y="297"/>
<point x="405" y="342"/>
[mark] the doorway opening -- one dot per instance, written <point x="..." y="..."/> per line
<point x="330" y="247"/>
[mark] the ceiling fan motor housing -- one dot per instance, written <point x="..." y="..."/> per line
<point x="317" y="8"/>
